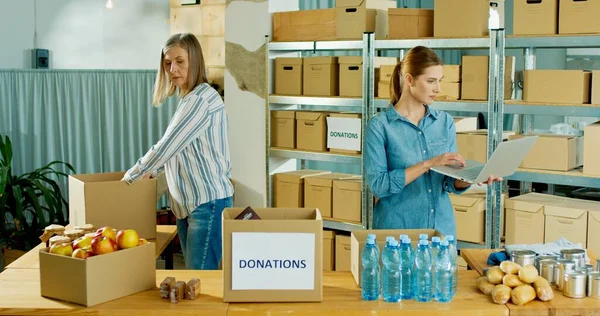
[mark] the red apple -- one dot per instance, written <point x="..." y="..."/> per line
<point x="128" y="238"/>
<point x="82" y="242"/>
<point x="81" y="253"/>
<point x="102" y="245"/>
<point x="142" y="241"/>
<point x="108" y="232"/>
<point x="64" y="249"/>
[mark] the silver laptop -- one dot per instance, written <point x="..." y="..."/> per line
<point x="504" y="161"/>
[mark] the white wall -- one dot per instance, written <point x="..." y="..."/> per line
<point x="84" y="34"/>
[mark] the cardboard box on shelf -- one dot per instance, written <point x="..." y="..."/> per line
<point x="556" y="86"/>
<point x="595" y="87"/>
<point x="469" y="214"/>
<point x="283" y="129"/>
<point x="311" y="129"/>
<point x="473" y="144"/>
<point x="328" y="250"/>
<point x="354" y="17"/>
<point x="535" y="17"/>
<point x="293" y="274"/>
<point x="321" y="76"/>
<point x="342" y="253"/>
<point x="98" y="279"/>
<point x="593" y="229"/>
<point x="288" y="187"/>
<point x="409" y="23"/>
<point x="464" y="124"/>
<point x="385" y="76"/>
<point x="104" y="200"/>
<point x="575" y="17"/>
<point x="344" y="134"/>
<point x="451" y="73"/>
<point x="347" y="197"/>
<point x="351" y="75"/>
<point x="359" y="239"/>
<point x="473" y="15"/>
<point x="304" y="25"/>
<point x="554" y="152"/>
<point x="318" y="192"/>
<point x="390" y="63"/>
<point x="525" y="220"/>
<point x="288" y="76"/>
<point x="567" y="218"/>
<point x="591" y="149"/>
<point x="449" y="91"/>
<point x="475" y="77"/>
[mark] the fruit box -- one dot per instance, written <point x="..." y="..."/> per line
<point x="100" y="278"/>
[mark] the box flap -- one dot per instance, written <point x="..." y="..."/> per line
<point x="283" y="114"/>
<point x="594" y="216"/>
<point x="308" y="116"/>
<point x="353" y="60"/>
<point x="468" y="202"/>
<point x="350" y="3"/>
<point x="565" y="211"/>
<point x="321" y="60"/>
<point x="348" y="184"/>
<point x="298" y="175"/>
<point x="553" y="136"/>
<point x="288" y="61"/>
<point x="380" y="61"/>
<point x="275" y="213"/>
<point x="346" y="115"/>
<point x="328" y="234"/>
<point x="99" y="177"/>
<point x="531" y="202"/>
<point x="343" y="240"/>
<point x="326" y="180"/>
<point x="409" y="12"/>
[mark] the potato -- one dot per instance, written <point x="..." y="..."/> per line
<point x="528" y="274"/>
<point x="510" y="267"/>
<point x="543" y="289"/>
<point x="511" y="280"/>
<point x="495" y="275"/>
<point x="484" y="285"/>
<point x="501" y="294"/>
<point x="522" y="294"/>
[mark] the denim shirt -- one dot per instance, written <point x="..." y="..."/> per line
<point x="393" y="144"/>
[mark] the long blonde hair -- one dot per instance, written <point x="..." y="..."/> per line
<point x="163" y="87"/>
<point x="414" y="63"/>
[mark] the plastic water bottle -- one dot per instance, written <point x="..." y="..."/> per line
<point x="391" y="273"/>
<point x="406" y="269"/>
<point x="435" y="249"/>
<point x="423" y="237"/>
<point x="443" y="274"/>
<point x="372" y="236"/>
<point x="402" y="237"/>
<point x="423" y="292"/>
<point x="453" y="255"/>
<point x="370" y="273"/>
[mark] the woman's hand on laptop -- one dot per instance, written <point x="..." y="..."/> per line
<point x="447" y="159"/>
<point x="491" y="180"/>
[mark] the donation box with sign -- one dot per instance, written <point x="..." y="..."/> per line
<point x="275" y="259"/>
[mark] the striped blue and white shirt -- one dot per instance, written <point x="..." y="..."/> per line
<point x="194" y="151"/>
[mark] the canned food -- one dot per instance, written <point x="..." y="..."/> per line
<point x="562" y="266"/>
<point x="590" y="268"/>
<point x="547" y="267"/>
<point x="593" y="288"/>
<point x="597" y="264"/>
<point x="578" y="255"/>
<point x="543" y="257"/>
<point x="523" y="257"/>
<point x="575" y="284"/>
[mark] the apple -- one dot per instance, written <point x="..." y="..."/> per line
<point x="81" y="253"/>
<point x="64" y="249"/>
<point x="127" y="238"/>
<point x="142" y="241"/>
<point x="102" y="244"/>
<point x="108" y="232"/>
<point x="82" y="242"/>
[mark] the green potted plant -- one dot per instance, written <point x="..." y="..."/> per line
<point x="28" y="202"/>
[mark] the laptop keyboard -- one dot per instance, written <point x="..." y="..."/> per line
<point x="471" y="173"/>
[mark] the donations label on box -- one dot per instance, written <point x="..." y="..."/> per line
<point x="344" y="133"/>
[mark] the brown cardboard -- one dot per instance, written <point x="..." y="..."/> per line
<point x="321" y="76"/>
<point x="591" y="150"/>
<point x="104" y="200"/>
<point x="449" y="91"/>
<point x="469" y="214"/>
<point x="386" y="72"/>
<point x="311" y="128"/>
<point x="554" y="152"/>
<point x="595" y="89"/>
<point x="472" y="145"/>
<point x="318" y="192"/>
<point x="557" y="86"/>
<point x="354" y="17"/>
<point x="525" y="218"/>
<point x="288" y="187"/>
<point x="328" y="250"/>
<point x="473" y="15"/>
<point x="475" y="77"/>
<point x="383" y="89"/>
<point x="347" y="197"/>
<point x="351" y="74"/>
<point x="359" y="239"/>
<point x="410" y="23"/>
<point x="283" y="129"/>
<point x="593" y="230"/>
<point x="281" y="220"/>
<point x="288" y="76"/>
<point x="566" y="218"/>
<point x="577" y="16"/>
<point x="98" y="279"/>
<point x="304" y="25"/>
<point x="463" y="124"/>
<point x="345" y="115"/>
<point x="537" y="17"/>
<point x="342" y="253"/>
<point x="451" y="73"/>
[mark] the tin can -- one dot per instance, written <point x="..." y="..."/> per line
<point x="593" y="288"/>
<point x="543" y="257"/>
<point x="575" y="284"/>
<point x="578" y="255"/>
<point x="547" y="267"/>
<point x="523" y="257"/>
<point x="562" y="266"/>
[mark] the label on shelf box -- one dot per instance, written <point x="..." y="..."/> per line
<point x="344" y="133"/>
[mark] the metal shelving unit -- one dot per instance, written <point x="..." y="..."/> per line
<point x="315" y="156"/>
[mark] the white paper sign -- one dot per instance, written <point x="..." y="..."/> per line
<point x="344" y="133"/>
<point x="273" y="261"/>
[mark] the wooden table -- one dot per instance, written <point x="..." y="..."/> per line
<point x="164" y="236"/>
<point x="20" y="295"/>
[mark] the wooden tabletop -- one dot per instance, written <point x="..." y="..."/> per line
<point x="31" y="260"/>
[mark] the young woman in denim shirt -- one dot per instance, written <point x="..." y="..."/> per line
<point x="404" y="141"/>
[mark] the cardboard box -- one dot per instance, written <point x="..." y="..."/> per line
<point x="473" y="15"/>
<point x="351" y="129"/>
<point x="288" y="76"/>
<point x="98" y="279"/>
<point x="451" y="73"/>
<point x="103" y="199"/>
<point x="288" y="187"/>
<point x="283" y="129"/>
<point x="318" y="192"/>
<point x="383" y="89"/>
<point x="566" y="218"/>
<point x="449" y="91"/>
<point x="557" y="86"/>
<point x="351" y="75"/>
<point x="595" y="87"/>
<point x="359" y="239"/>
<point x="463" y="124"/>
<point x="347" y="197"/>
<point x="354" y="17"/>
<point x="385" y="76"/>
<point x="328" y="250"/>
<point x="554" y="152"/>
<point x="472" y="145"/>
<point x="342" y="253"/>
<point x="575" y="16"/>
<point x="525" y="218"/>
<point x="593" y="229"/>
<point x="535" y="17"/>
<point x="469" y="213"/>
<point x="475" y="77"/>
<point x="321" y="76"/>
<point x="591" y="150"/>
<point x="311" y="128"/>
<point x="304" y="25"/>
<point x="410" y="23"/>
<point x="250" y="246"/>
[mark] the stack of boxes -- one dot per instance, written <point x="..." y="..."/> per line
<point x="450" y="85"/>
